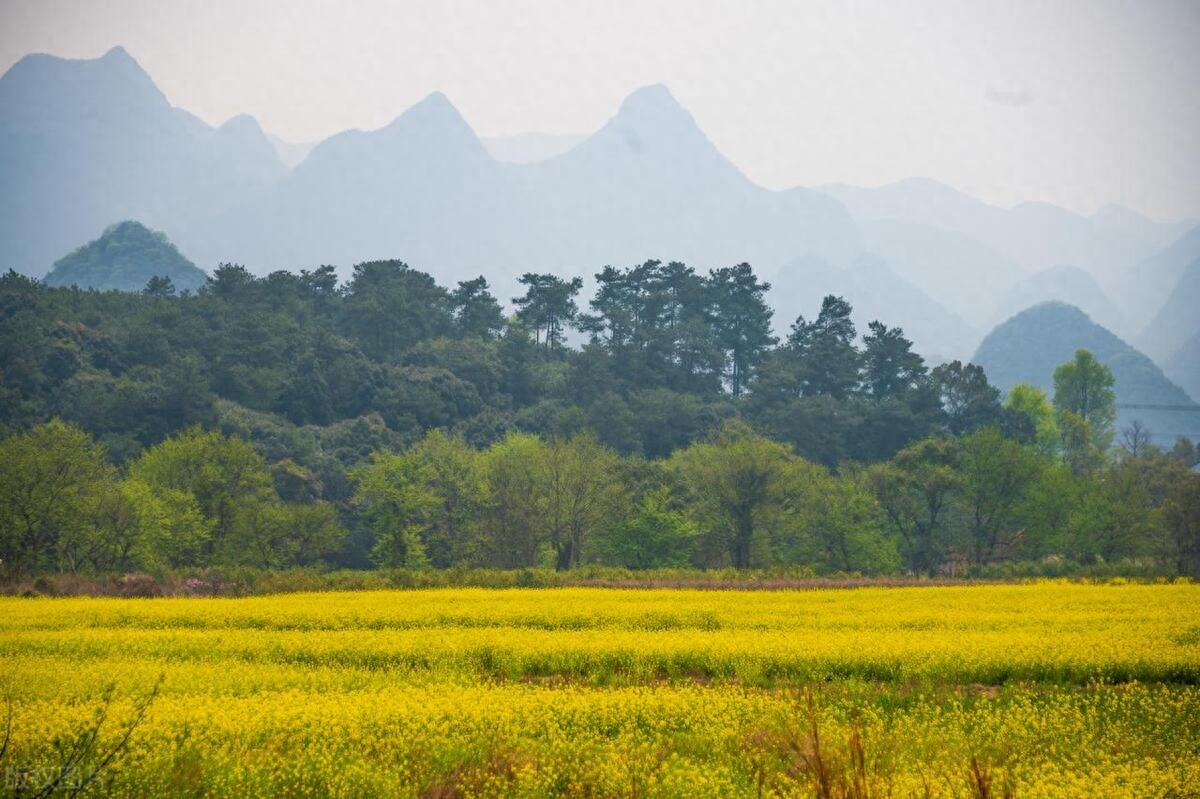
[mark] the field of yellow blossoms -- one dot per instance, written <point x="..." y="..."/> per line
<point x="1044" y="689"/>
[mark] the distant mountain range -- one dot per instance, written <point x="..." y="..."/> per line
<point x="87" y="143"/>
<point x="1178" y="319"/>
<point x="1028" y="347"/>
<point x="1184" y="366"/>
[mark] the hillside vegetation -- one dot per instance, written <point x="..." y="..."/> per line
<point x="390" y="422"/>
<point x="127" y="257"/>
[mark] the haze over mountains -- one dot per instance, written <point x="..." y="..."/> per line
<point x="1028" y="347"/>
<point x="88" y="143"/>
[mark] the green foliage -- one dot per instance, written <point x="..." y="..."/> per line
<point x="997" y="473"/>
<point x="916" y="490"/>
<point x="737" y="488"/>
<point x="53" y="484"/>
<point x="233" y="491"/>
<point x="970" y="402"/>
<point x="1086" y="404"/>
<point x="547" y="306"/>
<point x="128" y="257"/>
<point x="285" y="420"/>
<point x="1030" y="403"/>
<point x="651" y="536"/>
<point x="397" y="501"/>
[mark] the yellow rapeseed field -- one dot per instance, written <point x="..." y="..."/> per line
<point x="1047" y="689"/>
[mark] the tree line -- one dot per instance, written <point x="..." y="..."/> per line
<point x="290" y="420"/>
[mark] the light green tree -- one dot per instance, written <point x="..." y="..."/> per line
<point x="1032" y="403"/>
<point x="737" y="487"/>
<point x="1085" y="403"/>
<point x="53" y="480"/>
<point x="842" y="524"/>
<point x="453" y="472"/>
<point x="650" y="536"/>
<point x="996" y="474"/>
<point x="395" y="497"/>
<point x="582" y="492"/>
<point x="515" y="510"/>
<point x="231" y="485"/>
<point x="916" y="490"/>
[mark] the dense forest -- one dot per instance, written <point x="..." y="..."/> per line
<point x="291" y="420"/>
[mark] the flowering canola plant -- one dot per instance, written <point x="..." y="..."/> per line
<point x="1047" y="689"/>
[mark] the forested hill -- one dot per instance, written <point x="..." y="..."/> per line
<point x="304" y="367"/>
<point x="125" y="257"/>
<point x="1028" y="347"/>
<point x="291" y="420"/>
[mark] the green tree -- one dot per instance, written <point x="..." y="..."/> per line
<point x="548" y="306"/>
<point x="395" y="495"/>
<point x="581" y="490"/>
<point x="514" y="515"/>
<point x="736" y="485"/>
<point x="1031" y="403"/>
<point x="452" y="472"/>
<point x="915" y="490"/>
<point x="156" y="528"/>
<point x="840" y="525"/>
<point x="1179" y="516"/>
<point x="52" y="482"/>
<point x="1084" y="387"/>
<point x="996" y="474"/>
<point x="651" y="536"/>
<point x="312" y="531"/>
<point x="476" y="311"/>
<point x="230" y="483"/>
<point x="388" y="307"/>
<point x="742" y="321"/>
<point x="160" y="287"/>
<point x="827" y="360"/>
<point x="890" y="369"/>
<point x="968" y="400"/>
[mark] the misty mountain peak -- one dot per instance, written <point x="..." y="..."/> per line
<point x="430" y="135"/>
<point x="651" y="126"/>
<point x="44" y="91"/>
<point x="653" y="96"/>
<point x="241" y="125"/>
<point x="435" y="112"/>
<point x="119" y="54"/>
<point x="433" y="125"/>
<point x="654" y="108"/>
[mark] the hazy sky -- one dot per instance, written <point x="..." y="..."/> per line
<point x="1076" y="103"/>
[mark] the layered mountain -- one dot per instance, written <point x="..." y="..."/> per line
<point x="1147" y="285"/>
<point x="1035" y="236"/>
<point x="875" y="292"/>
<point x="1184" y="366"/>
<point x="290" y="153"/>
<point x="957" y="271"/>
<point x="1177" y="321"/>
<point x="1028" y="348"/>
<point x="1068" y="284"/>
<point x="85" y="143"/>
<point x="124" y="258"/>
<point x="648" y="184"/>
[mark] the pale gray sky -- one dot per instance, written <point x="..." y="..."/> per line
<point x="1076" y="103"/>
